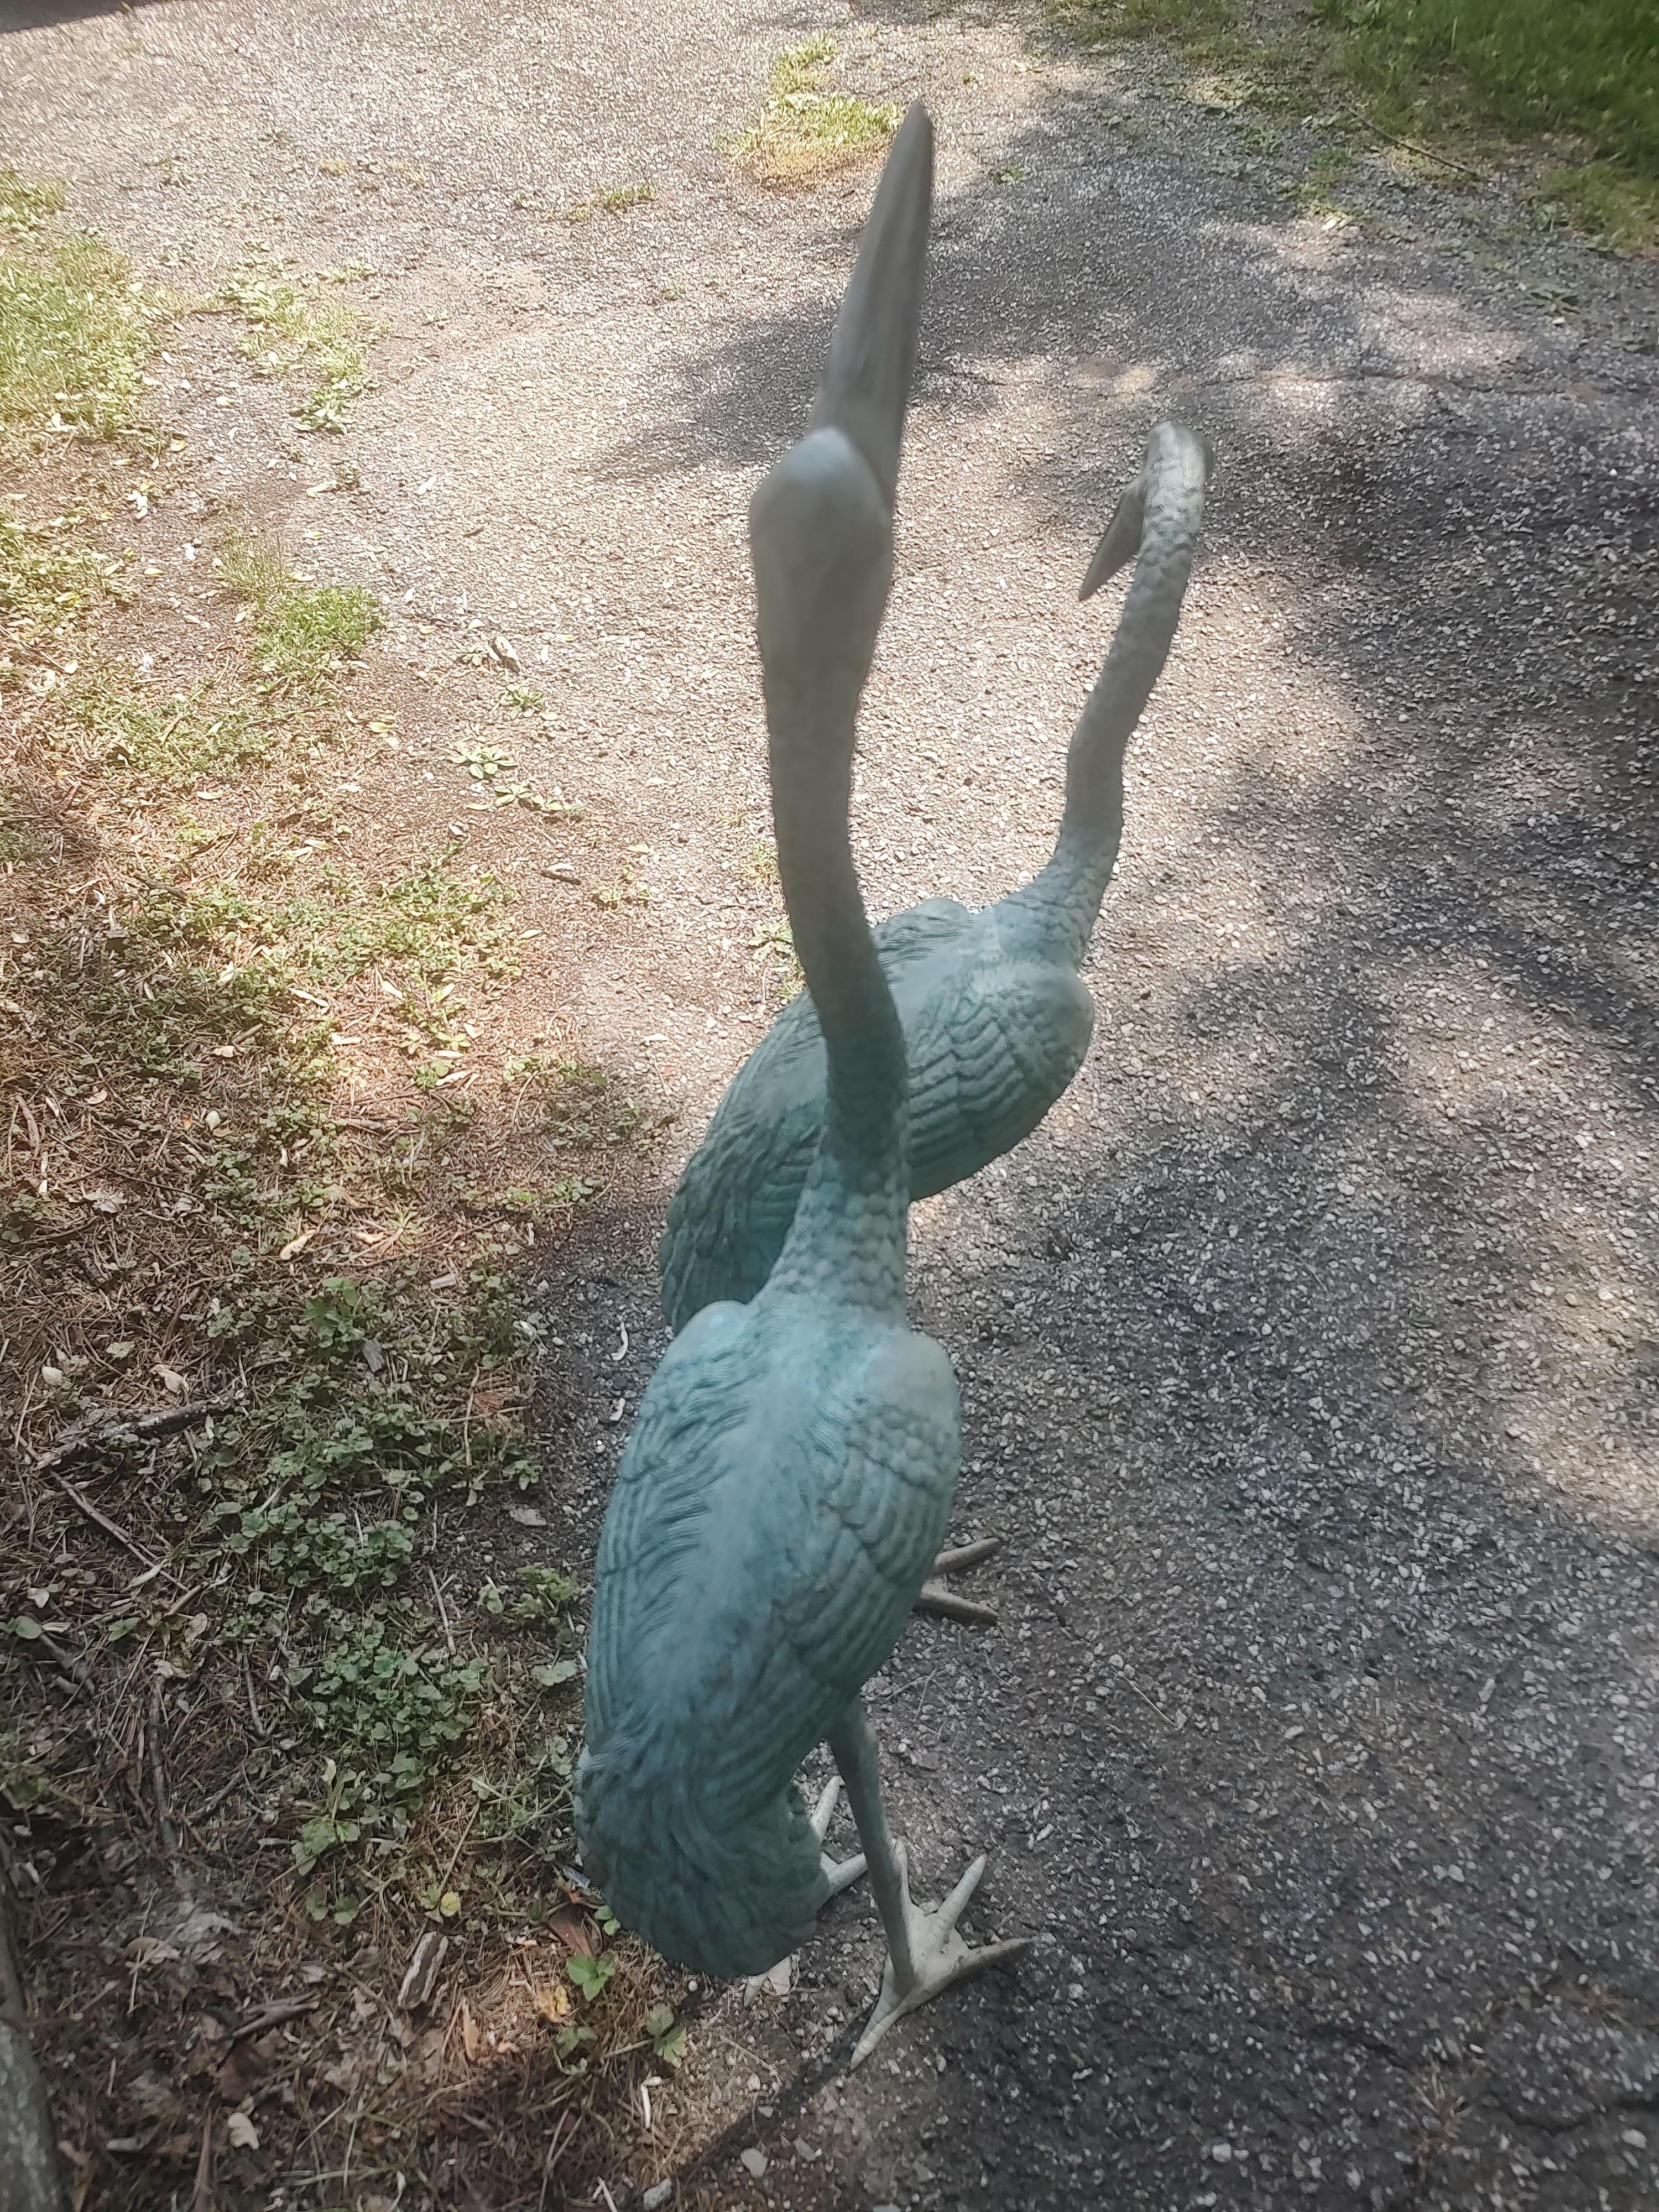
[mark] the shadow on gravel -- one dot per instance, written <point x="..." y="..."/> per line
<point x="1311" y="1373"/>
<point x="31" y="15"/>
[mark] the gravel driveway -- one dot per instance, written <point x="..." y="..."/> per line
<point x="1306" y="1353"/>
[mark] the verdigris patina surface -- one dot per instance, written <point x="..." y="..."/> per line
<point x="793" y="1470"/>
<point x="996" y="1017"/>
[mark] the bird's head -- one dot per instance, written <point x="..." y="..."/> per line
<point x="821" y="522"/>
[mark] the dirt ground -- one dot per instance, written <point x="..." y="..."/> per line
<point x="1306" y="1353"/>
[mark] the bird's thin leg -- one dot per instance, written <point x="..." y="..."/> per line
<point x="838" y="1875"/>
<point x="935" y="1596"/>
<point x="853" y="1747"/>
<point x="925" y="1953"/>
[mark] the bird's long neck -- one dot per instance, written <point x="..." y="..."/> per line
<point x="1054" y="915"/>
<point x="849" y="1228"/>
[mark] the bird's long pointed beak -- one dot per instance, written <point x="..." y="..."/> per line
<point x="1176" y="466"/>
<point x="873" y="350"/>
<point x="1121" y="540"/>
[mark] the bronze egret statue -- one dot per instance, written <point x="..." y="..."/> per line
<point x="996" y="1017"/>
<point x="793" y="1468"/>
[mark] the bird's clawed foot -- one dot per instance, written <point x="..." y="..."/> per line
<point x="938" y="1956"/>
<point x="934" y="1596"/>
<point x="838" y="1874"/>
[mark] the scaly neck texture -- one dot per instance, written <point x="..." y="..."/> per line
<point x="848" y="1232"/>
<point x="1053" y="916"/>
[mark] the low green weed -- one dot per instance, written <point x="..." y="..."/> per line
<point x="617" y="199"/>
<point x="581" y="1105"/>
<point x="76" y="328"/>
<point x="27" y="202"/>
<point x="304" y="633"/>
<point x="391" y="1712"/>
<point x="804" y="132"/>
<point x="48" y="578"/>
<point x="311" y="632"/>
<point x="302" y="322"/>
<point x="174" y="741"/>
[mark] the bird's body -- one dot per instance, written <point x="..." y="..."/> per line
<point x="779" y="1506"/>
<point x="993" y="1033"/>
<point x="997" y="1018"/>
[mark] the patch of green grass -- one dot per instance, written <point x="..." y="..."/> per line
<point x="47" y="579"/>
<point x="75" y="329"/>
<point x="133" y="1007"/>
<point x="1451" y="72"/>
<point x="1590" y="67"/>
<point x="27" y="202"/>
<point x="173" y="741"/>
<point x="430" y="925"/>
<point x="1604" y="200"/>
<point x="254" y="567"/>
<point x="303" y="323"/>
<point x="431" y="922"/>
<point x="310" y="632"/>
<point x="617" y="200"/>
<point x="304" y="633"/>
<point x="804" y="132"/>
<point x="1325" y="172"/>
<point x="1206" y="31"/>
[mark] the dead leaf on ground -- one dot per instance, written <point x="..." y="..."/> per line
<point x="573" y="1929"/>
<point x="150" y="1951"/>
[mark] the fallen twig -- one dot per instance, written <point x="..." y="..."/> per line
<point x="1415" y="146"/>
<point x="158" y="1786"/>
<point x="254" y="1714"/>
<point x="114" y="1432"/>
<point x="84" y="1505"/>
<point x="50" y="1647"/>
<point x="202" y="1811"/>
<point x="273" y="2015"/>
<point x="201" y="2197"/>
